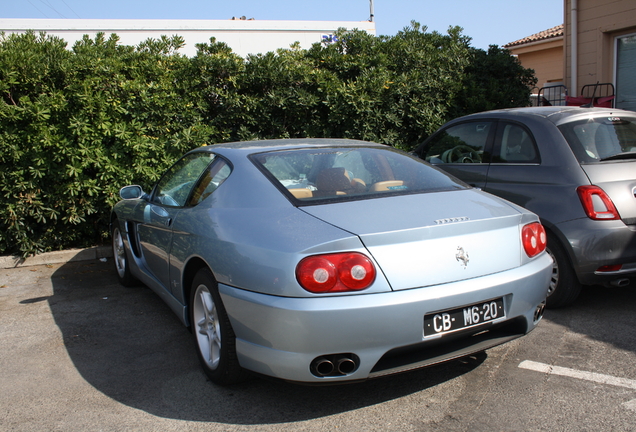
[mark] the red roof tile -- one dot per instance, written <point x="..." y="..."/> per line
<point x="546" y="34"/>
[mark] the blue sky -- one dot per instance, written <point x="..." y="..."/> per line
<point x="487" y="22"/>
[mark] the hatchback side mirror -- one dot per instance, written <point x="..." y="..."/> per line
<point x="131" y="192"/>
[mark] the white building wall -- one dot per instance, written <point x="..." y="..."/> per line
<point x="243" y="36"/>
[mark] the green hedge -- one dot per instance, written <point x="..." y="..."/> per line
<point x="76" y="125"/>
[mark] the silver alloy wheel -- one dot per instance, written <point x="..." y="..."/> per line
<point x="119" y="253"/>
<point x="208" y="327"/>
<point x="554" y="278"/>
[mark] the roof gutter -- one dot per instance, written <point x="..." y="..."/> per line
<point x="574" y="47"/>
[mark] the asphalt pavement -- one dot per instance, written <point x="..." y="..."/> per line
<point x="82" y="353"/>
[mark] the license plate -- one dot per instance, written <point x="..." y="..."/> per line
<point x="456" y="319"/>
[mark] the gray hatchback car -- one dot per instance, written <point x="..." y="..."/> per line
<point x="574" y="167"/>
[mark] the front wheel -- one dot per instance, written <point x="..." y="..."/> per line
<point x="564" y="285"/>
<point x="213" y="334"/>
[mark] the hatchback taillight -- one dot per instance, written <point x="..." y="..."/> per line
<point x="534" y="239"/>
<point x="596" y="203"/>
<point x="350" y="271"/>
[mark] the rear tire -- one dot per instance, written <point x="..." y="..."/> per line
<point x="213" y="334"/>
<point x="120" y="257"/>
<point x="564" y="285"/>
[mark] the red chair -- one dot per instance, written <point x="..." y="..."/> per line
<point x="577" y="100"/>
<point x="604" y="102"/>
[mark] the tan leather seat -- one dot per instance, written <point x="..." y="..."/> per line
<point x="358" y="185"/>
<point x="386" y="185"/>
<point x="332" y="181"/>
<point x="301" y="193"/>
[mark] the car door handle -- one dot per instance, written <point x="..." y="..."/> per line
<point x="168" y="222"/>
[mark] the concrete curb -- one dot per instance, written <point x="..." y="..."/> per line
<point x="57" y="257"/>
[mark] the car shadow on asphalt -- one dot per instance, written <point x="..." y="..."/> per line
<point x="602" y="313"/>
<point x="128" y="345"/>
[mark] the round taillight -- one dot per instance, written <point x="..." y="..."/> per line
<point x="316" y="274"/>
<point x="350" y="271"/>
<point x="534" y="239"/>
<point x="356" y="271"/>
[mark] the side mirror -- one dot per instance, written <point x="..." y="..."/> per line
<point x="131" y="192"/>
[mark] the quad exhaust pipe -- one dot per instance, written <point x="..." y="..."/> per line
<point x="334" y="365"/>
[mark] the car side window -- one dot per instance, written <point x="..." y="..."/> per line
<point x="210" y="180"/>
<point x="174" y="187"/>
<point x="515" y="144"/>
<point x="462" y="143"/>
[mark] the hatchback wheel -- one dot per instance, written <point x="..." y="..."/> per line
<point x="564" y="285"/>
<point x="213" y="334"/>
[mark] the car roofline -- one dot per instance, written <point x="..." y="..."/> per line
<point x="555" y="114"/>
<point x="258" y="146"/>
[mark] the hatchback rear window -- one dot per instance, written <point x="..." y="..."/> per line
<point x="335" y="174"/>
<point x="601" y="139"/>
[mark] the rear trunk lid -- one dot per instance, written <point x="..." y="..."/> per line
<point x="434" y="238"/>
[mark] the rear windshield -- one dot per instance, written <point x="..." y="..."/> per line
<point x="602" y="139"/>
<point x="335" y="174"/>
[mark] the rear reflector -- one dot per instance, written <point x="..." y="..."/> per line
<point x="609" y="268"/>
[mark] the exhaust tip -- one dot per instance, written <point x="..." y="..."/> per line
<point x="538" y="313"/>
<point x="345" y="366"/>
<point x="329" y="365"/>
<point x="322" y="367"/>
<point x="620" y="282"/>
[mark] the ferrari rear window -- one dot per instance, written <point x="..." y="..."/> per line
<point x="315" y="175"/>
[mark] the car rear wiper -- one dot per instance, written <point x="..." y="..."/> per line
<point x="626" y="155"/>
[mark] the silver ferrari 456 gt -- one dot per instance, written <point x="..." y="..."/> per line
<point x="326" y="260"/>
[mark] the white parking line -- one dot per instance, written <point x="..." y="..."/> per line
<point x="573" y="373"/>
<point x="631" y="405"/>
<point x="588" y="376"/>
